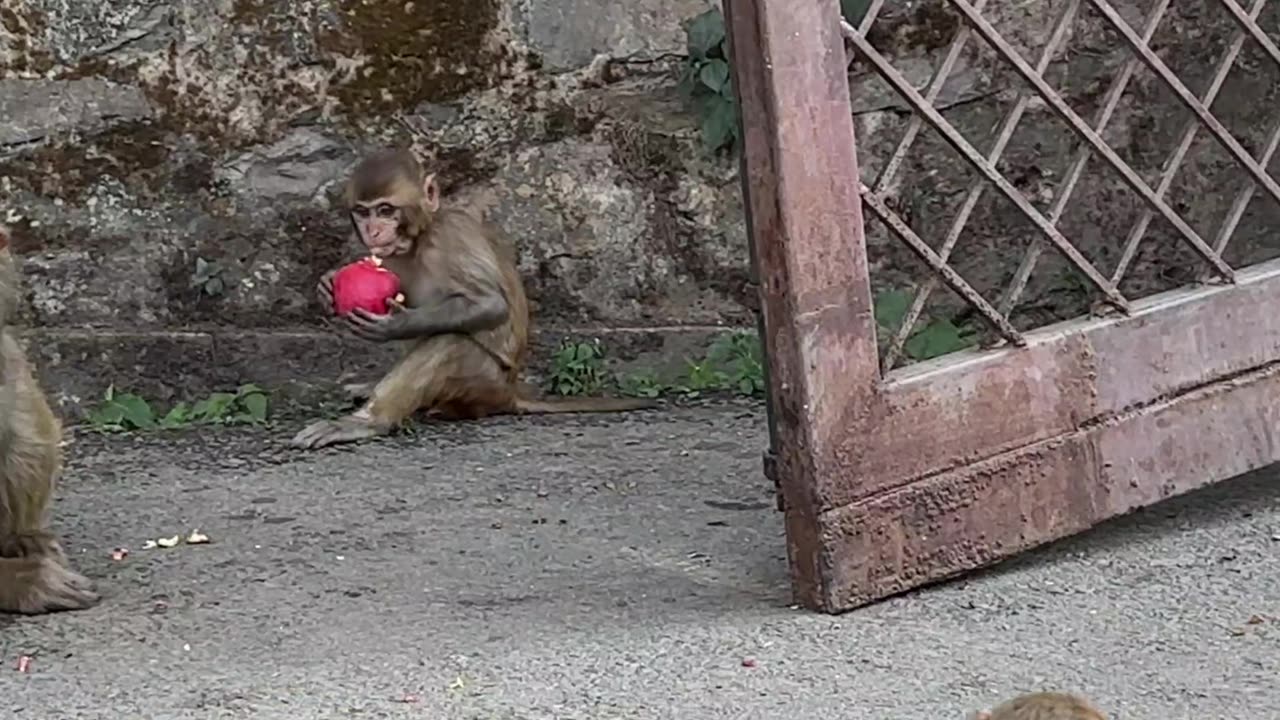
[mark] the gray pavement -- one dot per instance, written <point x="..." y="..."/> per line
<point x="600" y="567"/>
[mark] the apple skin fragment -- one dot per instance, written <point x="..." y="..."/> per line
<point x="195" y="537"/>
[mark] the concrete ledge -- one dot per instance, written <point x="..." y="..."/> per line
<point x="299" y="365"/>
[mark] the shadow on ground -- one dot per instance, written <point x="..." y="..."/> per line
<point x="600" y="567"/>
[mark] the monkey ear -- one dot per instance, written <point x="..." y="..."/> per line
<point x="431" y="193"/>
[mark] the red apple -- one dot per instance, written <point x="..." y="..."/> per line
<point x="365" y="285"/>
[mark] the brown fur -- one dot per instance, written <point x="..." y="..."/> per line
<point x="1043" y="706"/>
<point x="439" y="255"/>
<point x="35" y="576"/>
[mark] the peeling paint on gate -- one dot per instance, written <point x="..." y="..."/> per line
<point x="899" y="478"/>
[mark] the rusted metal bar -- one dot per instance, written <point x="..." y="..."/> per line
<point x="1174" y="162"/>
<point x="771" y="421"/>
<point x="1248" y="23"/>
<point x="1250" y="26"/>
<point x="873" y="11"/>
<point x="957" y="141"/>
<point x="805" y="220"/>
<point x="1246" y="193"/>
<point x="1156" y="65"/>
<point x="916" y="123"/>
<point x="1110" y="101"/>
<point x="939" y="266"/>
<point x="1068" y="375"/>
<point x="864" y="25"/>
<point x="1064" y="111"/>
<point x="976" y="514"/>
<point x="1007" y="127"/>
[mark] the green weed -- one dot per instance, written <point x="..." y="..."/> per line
<point x="733" y="363"/>
<point x="208" y="278"/>
<point x="578" y="369"/>
<point x="123" y="411"/>
<point x="706" y="81"/>
<point x="706" y="78"/>
<point x="642" y="384"/>
<point x="932" y="338"/>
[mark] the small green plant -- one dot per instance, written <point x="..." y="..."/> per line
<point x="642" y="384"/>
<point x="700" y="376"/>
<point x="208" y="278"/>
<point x="122" y="411"/>
<point x="734" y="363"/>
<point x="706" y="80"/>
<point x="742" y="357"/>
<point x="930" y="339"/>
<point x="578" y="369"/>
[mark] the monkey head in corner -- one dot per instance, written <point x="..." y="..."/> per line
<point x="1043" y="706"/>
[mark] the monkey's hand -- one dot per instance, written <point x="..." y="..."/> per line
<point x="395" y="325"/>
<point x="324" y="291"/>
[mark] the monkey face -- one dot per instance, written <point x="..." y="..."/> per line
<point x="379" y="225"/>
<point x="391" y="203"/>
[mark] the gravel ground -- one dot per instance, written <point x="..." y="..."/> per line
<point x="600" y="567"/>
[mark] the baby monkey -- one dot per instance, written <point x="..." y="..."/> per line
<point x="1043" y="706"/>
<point x="35" y="576"/>
<point x="464" y="315"/>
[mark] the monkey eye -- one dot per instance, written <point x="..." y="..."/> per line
<point x="360" y="211"/>
<point x="386" y="210"/>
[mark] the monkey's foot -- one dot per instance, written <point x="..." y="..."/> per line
<point x="55" y="588"/>
<point x="331" y="432"/>
<point x="358" y="391"/>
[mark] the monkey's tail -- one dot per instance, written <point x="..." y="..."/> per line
<point x="37" y="580"/>
<point x="529" y="406"/>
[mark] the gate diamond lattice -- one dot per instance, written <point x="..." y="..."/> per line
<point x="893" y="476"/>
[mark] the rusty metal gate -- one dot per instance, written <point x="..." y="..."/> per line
<point x="892" y="477"/>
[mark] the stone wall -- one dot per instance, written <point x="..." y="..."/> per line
<point x="170" y="170"/>
<point x="170" y="167"/>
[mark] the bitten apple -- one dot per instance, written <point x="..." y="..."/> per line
<point x="365" y="284"/>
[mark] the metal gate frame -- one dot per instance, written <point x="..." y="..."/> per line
<point x="890" y="481"/>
